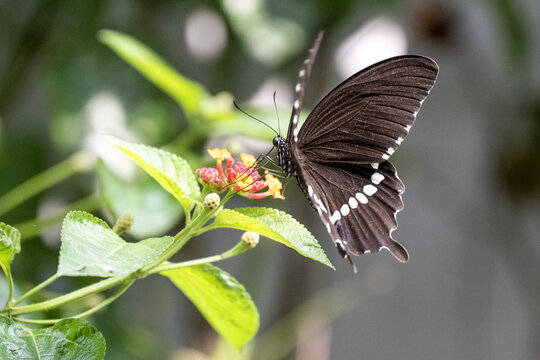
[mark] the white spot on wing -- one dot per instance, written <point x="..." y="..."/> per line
<point x="345" y="210"/>
<point x="375" y="165"/>
<point x="408" y="128"/>
<point x="296" y="104"/>
<point x="390" y="151"/>
<point x="399" y="140"/>
<point x="369" y="189"/>
<point x="295" y="119"/>
<point x="298" y="87"/>
<point x="385" y="156"/>
<point x="335" y="217"/>
<point x="301" y="73"/>
<point x="310" y="190"/>
<point x="362" y="198"/>
<point x="319" y="202"/>
<point x="376" y="178"/>
<point x="353" y="203"/>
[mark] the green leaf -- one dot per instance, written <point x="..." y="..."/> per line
<point x="90" y="248"/>
<point x="155" y="210"/>
<point x="223" y="302"/>
<point x="67" y="339"/>
<point x="169" y="170"/>
<point x="276" y="225"/>
<point x="187" y="93"/>
<point x="10" y="244"/>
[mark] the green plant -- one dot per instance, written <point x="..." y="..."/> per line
<point x="90" y="248"/>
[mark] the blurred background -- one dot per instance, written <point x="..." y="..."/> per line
<point x="471" y="289"/>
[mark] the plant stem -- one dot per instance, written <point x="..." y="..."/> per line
<point x="36" y="288"/>
<point x="179" y="241"/>
<point x="78" y="162"/>
<point x="7" y="271"/>
<point x="72" y="296"/>
<point x="192" y="229"/>
<point x="236" y="250"/>
<point x="88" y="312"/>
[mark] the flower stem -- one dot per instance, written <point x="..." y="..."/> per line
<point x="72" y="296"/>
<point x="37" y="288"/>
<point x="88" y="312"/>
<point x="7" y="271"/>
<point x="78" y="162"/>
<point x="180" y="240"/>
<point x="192" y="229"/>
<point x="236" y="250"/>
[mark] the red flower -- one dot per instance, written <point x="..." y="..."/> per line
<point x="242" y="177"/>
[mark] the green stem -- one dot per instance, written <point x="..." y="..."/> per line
<point x="88" y="312"/>
<point x="236" y="250"/>
<point x="72" y="296"/>
<point x="7" y="271"/>
<point x="179" y="241"/>
<point x="192" y="229"/>
<point x="36" y="288"/>
<point x="78" y="162"/>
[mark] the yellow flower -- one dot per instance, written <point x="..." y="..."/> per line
<point x="248" y="160"/>
<point x="274" y="186"/>
<point x="218" y="154"/>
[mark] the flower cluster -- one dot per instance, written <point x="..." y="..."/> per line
<point x="242" y="177"/>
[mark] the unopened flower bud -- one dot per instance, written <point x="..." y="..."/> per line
<point x="124" y="223"/>
<point x="82" y="161"/>
<point x="250" y="238"/>
<point x="211" y="201"/>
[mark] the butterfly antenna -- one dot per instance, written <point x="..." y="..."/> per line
<point x="277" y="114"/>
<point x="253" y="117"/>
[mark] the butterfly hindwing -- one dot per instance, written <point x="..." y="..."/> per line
<point x="357" y="204"/>
<point x="365" y="118"/>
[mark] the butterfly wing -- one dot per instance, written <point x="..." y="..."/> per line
<point x="340" y="153"/>
<point x="365" y="118"/>
<point x="299" y="88"/>
<point x="357" y="204"/>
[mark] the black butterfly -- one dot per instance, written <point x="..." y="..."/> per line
<point x="339" y="156"/>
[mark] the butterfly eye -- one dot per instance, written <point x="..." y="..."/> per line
<point x="276" y="141"/>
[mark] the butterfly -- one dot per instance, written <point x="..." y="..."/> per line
<point x="340" y="154"/>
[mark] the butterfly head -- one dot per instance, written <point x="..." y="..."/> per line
<point x="277" y="140"/>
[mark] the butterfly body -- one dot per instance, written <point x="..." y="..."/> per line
<point x="339" y="156"/>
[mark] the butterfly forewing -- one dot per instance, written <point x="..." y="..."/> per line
<point x="299" y="89"/>
<point x="365" y="118"/>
